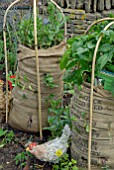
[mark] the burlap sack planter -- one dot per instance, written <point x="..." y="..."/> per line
<point x="24" y="106"/>
<point x="103" y="127"/>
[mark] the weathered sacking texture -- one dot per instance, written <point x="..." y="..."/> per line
<point x="103" y="127"/>
<point x="2" y="101"/>
<point x="24" y="110"/>
<point x="2" y="96"/>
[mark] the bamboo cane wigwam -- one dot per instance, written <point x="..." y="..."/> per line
<point x="30" y="122"/>
<point x="101" y="157"/>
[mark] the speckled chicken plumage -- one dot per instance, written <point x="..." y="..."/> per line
<point x="47" y="151"/>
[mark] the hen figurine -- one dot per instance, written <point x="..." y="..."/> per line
<point x="50" y="151"/>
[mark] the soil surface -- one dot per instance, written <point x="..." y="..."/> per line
<point x="16" y="146"/>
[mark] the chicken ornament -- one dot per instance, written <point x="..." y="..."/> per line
<point x="50" y="151"/>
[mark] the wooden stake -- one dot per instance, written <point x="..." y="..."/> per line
<point x="65" y="25"/>
<point x="37" y="68"/>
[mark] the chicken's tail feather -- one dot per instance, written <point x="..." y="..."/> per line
<point x="66" y="132"/>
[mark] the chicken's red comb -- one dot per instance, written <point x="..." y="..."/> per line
<point x="31" y="145"/>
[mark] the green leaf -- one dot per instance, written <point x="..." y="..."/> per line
<point x="71" y="92"/>
<point x="104" y="59"/>
<point x="106" y="32"/>
<point x="2" y="133"/>
<point x="90" y="45"/>
<point x="64" y="59"/>
<point x="2" y="145"/>
<point x="105" y="47"/>
<point x="75" y="168"/>
<point x="30" y="87"/>
<point x="59" y="17"/>
<point x="71" y="64"/>
<point x="73" y="118"/>
<point x="83" y="114"/>
<point x="81" y="50"/>
<point x="23" y="88"/>
<point x="87" y="128"/>
<point x="76" y="45"/>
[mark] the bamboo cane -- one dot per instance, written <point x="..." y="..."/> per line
<point x="37" y="68"/>
<point x="65" y="26"/>
<point x="91" y="94"/>
<point x="98" y="21"/>
<point x="37" y="60"/>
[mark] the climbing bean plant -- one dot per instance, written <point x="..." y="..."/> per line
<point x="50" y="29"/>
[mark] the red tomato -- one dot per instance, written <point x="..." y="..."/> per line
<point x="10" y="83"/>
